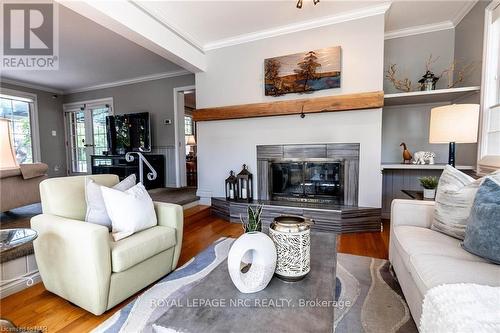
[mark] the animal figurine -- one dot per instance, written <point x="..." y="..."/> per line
<point x="423" y="157"/>
<point x="406" y="153"/>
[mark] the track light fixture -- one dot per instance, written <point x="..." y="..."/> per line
<point x="299" y="3"/>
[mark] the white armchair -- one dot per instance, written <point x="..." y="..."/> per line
<point x="80" y="262"/>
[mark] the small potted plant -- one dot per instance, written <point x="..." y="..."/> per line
<point x="254" y="221"/>
<point x="429" y="184"/>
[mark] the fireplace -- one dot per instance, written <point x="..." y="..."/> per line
<point x="311" y="180"/>
<point x="311" y="173"/>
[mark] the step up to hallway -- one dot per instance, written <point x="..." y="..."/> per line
<point x="196" y="213"/>
<point x="184" y="196"/>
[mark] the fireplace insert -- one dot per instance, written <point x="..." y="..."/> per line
<point x="320" y="181"/>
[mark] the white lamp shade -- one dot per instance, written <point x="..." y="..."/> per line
<point x="190" y="140"/>
<point x="7" y="155"/>
<point x="454" y="123"/>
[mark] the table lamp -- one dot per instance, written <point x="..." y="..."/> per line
<point x="190" y="142"/>
<point x="455" y="123"/>
<point x="7" y="155"/>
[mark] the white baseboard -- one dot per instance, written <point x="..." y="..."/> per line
<point x="19" y="284"/>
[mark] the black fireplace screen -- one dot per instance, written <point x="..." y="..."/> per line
<point x="307" y="181"/>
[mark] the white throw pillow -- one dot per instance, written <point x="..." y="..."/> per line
<point x="130" y="211"/>
<point x="96" y="210"/>
<point x="454" y="198"/>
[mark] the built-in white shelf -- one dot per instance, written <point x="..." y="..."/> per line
<point x="386" y="166"/>
<point x="433" y="96"/>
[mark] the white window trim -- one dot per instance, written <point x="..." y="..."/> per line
<point x="486" y="163"/>
<point x="77" y="106"/>
<point x="35" y="130"/>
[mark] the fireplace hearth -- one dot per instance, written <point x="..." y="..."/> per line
<point x="311" y="180"/>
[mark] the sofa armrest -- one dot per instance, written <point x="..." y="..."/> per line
<point x="171" y="215"/>
<point x="418" y="213"/>
<point x="74" y="260"/>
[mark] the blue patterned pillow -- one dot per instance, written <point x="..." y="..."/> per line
<point x="482" y="235"/>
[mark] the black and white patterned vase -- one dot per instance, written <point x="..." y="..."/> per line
<point x="292" y="237"/>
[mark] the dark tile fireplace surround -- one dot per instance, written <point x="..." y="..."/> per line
<point x="319" y="181"/>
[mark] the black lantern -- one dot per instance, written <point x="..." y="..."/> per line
<point x="231" y="187"/>
<point x="245" y="185"/>
<point x="428" y="81"/>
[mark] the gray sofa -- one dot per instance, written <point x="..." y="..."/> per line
<point x="423" y="258"/>
<point x="19" y="186"/>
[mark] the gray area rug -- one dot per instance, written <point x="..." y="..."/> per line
<point x="368" y="296"/>
<point x="376" y="302"/>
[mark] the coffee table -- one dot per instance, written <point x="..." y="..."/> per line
<point x="215" y="305"/>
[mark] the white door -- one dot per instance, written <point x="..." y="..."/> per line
<point x="85" y="135"/>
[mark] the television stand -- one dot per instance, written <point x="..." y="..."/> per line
<point x="118" y="165"/>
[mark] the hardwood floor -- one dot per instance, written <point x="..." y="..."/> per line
<point x="35" y="306"/>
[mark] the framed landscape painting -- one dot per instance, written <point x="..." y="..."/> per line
<point x="303" y="72"/>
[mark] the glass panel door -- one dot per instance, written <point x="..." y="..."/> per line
<point x="86" y="136"/>
<point x="323" y="179"/>
<point x="100" y="137"/>
<point x="287" y="179"/>
<point x="76" y="136"/>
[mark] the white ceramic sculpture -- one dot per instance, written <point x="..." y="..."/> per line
<point x="259" y="249"/>
<point x="423" y="157"/>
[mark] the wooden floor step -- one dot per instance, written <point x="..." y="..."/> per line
<point x="196" y="213"/>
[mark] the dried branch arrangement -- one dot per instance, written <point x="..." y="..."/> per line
<point x="402" y="85"/>
<point x="453" y="74"/>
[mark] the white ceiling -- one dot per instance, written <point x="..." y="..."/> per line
<point x="209" y="24"/>
<point x="93" y="55"/>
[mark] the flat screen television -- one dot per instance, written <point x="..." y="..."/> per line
<point x="128" y="132"/>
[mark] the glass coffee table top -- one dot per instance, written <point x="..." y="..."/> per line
<point x="11" y="238"/>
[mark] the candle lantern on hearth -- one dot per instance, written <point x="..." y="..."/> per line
<point x="231" y="186"/>
<point x="245" y="185"/>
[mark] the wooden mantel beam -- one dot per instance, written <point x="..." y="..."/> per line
<point x="360" y="101"/>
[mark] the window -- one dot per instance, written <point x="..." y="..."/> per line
<point x="188" y="125"/>
<point x="489" y="144"/>
<point x="19" y="108"/>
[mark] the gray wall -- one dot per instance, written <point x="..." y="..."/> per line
<point x="50" y="117"/>
<point x="155" y="97"/>
<point x="410" y="124"/>
<point x="411" y="53"/>
<point x="469" y="42"/>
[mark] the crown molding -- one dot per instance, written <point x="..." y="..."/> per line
<point x="129" y="81"/>
<point x="300" y="26"/>
<point x="31" y="86"/>
<point x="464" y="11"/>
<point x="420" y="29"/>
